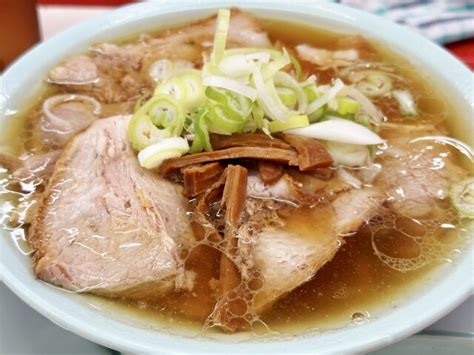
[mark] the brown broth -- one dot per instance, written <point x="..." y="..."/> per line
<point x="352" y="287"/>
<point x="349" y="288"/>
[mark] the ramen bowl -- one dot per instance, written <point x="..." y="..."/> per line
<point x="448" y="286"/>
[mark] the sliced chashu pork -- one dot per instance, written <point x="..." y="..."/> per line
<point x="286" y="255"/>
<point x="38" y="167"/>
<point x="65" y="120"/>
<point x="115" y="73"/>
<point x="106" y="225"/>
<point x="416" y="175"/>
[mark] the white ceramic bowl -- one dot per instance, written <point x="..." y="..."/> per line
<point x="448" y="288"/>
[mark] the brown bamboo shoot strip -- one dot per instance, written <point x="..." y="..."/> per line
<point x="197" y="179"/>
<point x="200" y="223"/>
<point x="261" y="140"/>
<point x="284" y="156"/>
<point x="270" y="172"/>
<point x="233" y="201"/>
<point x="312" y="154"/>
<point x="325" y="174"/>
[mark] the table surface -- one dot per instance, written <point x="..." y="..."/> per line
<point x="24" y="331"/>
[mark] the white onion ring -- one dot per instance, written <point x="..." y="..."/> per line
<point x="309" y="81"/>
<point x="230" y="84"/>
<point x="328" y="95"/>
<point x="367" y="105"/>
<point x="338" y="130"/>
<point x="52" y="101"/>
<point x="287" y="80"/>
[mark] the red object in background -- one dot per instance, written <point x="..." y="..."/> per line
<point x="464" y="50"/>
<point x="86" y="2"/>
<point x="19" y="29"/>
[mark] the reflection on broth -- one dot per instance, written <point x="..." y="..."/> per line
<point x="263" y="237"/>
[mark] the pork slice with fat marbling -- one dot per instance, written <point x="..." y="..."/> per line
<point x="287" y="257"/>
<point x="416" y="174"/>
<point x="105" y="225"/>
<point x="116" y="73"/>
<point x="61" y="122"/>
<point x="283" y="254"/>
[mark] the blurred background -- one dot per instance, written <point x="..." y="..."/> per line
<point x="26" y="22"/>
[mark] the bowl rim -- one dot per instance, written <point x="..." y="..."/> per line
<point x="331" y="11"/>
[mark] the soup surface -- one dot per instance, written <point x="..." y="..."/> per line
<point x="370" y="268"/>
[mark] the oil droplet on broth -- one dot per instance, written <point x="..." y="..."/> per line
<point x="360" y="318"/>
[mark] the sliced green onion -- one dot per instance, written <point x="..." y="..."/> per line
<point x="220" y="36"/>
<point x="240" y="65"/>
<point x="310" y="80"/>
<point x="268" y="97"/>
<point x="362" y="118"/>
<point x="375" y="84"/>
<point x="332" y="104"/>
<point x="285" y="79"/>
<point x="196" y="146"/>
<point x="317" y="115"/>
<point x="296" y="64"/>
<point x="406" y="102"/>
<point x="339" y="130"/>
<point x="346" y="105"/>
<point x="293" y="122"/>
<point x="275" y="65"/>
<point x="217" y="94"/>
<point x="186" y="88"/>
<point x="230" y="84"/>
<point x="235" y="106"/>
<point x="142" y="132"/>
<point x="367" y="105"/>
<point x="258" y="116"/>
<point x="287" y="96"/>
<point x="311" y="92"/>
<point x="329" y="115"/>
<point x="201" y="135"/>
<point x="328" y="95"/>
<point x="274" y="53"/>
<point x="174" y="87"/>
<point x="152" y="156"/>
<point x="165" y="112"/>
<point x="462" y="197"/>
<point x="192" y="79"/>
<point x="162" y="69"/>
<point x="221" y="122"/>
